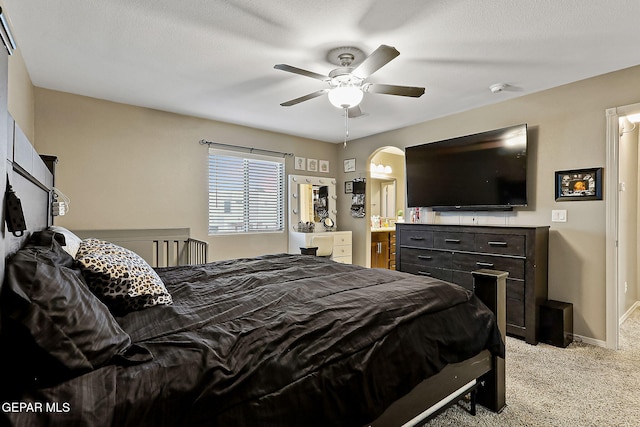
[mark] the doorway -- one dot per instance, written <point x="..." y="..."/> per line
<point x="385" y="192"/>
<point x="623" y="218"/>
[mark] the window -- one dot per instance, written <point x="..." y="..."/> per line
<point x="246" y="193"/>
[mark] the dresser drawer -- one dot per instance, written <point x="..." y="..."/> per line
<point x="471" y="262"/>
<point x="422" y="239"/>
<point x="503" y="244"/>
<point x="453" y="241"/>
<point x="422" y="270"/>
<point x="341" y="238"/>
<point x="426" y="257"/>
<point x="341" y="250"/>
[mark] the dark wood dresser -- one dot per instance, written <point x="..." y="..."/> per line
<point x="452" y="252"/>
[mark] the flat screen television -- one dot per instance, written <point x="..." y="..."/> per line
<point x="483" y="171"/>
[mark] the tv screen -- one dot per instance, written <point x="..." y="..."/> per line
<point x="484" y="171"/>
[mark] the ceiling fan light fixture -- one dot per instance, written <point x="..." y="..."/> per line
<point x="345" y="96"/>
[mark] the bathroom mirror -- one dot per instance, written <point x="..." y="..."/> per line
<point x="312" y="200"/>
<point x="383" y="197"/>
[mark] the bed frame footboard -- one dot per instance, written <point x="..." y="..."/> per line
<point x="491" y="287"/>
<point x="482" y="375"/>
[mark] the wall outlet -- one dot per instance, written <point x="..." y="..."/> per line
<point x="559" y="215"/>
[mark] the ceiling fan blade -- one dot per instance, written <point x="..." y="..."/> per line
<point x="296" y="70"/>
<point x="305" y="98"/>
<point x="354" y="112"/>
<point x="378" y="58"/>
<point x="413" y="91"/>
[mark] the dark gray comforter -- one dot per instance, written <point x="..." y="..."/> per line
<point x="279" y="340"/>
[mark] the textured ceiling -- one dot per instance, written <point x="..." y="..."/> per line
<point x="214" y="59"/>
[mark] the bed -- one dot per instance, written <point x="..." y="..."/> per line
<point x="277" y="340"/>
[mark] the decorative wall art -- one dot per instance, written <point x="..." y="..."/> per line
<point x="348" y="187"/>
<point x="579" y="184"/>
<point x="358" y="198"/>
<point x="350" y="165"/>
<point x="312" y="165"/>
<point x="300" y="163"/>
<point x="324" y="166"/>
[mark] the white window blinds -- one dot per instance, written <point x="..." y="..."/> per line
<point x="246" y="193"/>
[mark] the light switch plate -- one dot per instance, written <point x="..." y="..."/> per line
<point x="559" y="215"/>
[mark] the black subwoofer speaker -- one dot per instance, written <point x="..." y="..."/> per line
<point x="556" y="323"/>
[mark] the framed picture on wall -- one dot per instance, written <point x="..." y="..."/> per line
<point x="300" y="163"/>
<point x="348" y="187"/>
<point x="324" y="166"/>
<point x="350" y="165"/>
<point x="579" y="184"/>
<point x="312" y="165"/>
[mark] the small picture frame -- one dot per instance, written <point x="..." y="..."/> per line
<point x="350" y="165"/>
<point x="579" y="184"/>
<point x="300" y="163"/>
<point x="312" y="165"/>
<point x="324" y="166"/>
<point x="348" y="187"/>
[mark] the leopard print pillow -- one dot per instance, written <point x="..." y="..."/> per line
<point x="120" y="277"/>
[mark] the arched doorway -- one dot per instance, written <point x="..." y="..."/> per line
<point x="385" y="195"/>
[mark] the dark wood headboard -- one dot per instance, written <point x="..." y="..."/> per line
<point x="32" y="181"/>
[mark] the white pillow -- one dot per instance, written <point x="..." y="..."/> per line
<point x="72" y="242"/>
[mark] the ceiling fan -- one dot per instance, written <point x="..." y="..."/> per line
<point x="347" y="84"/>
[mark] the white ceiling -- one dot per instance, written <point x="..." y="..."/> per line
<point x="214" y="59"/>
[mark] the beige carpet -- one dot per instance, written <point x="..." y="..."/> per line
<point x="581" y="385"/>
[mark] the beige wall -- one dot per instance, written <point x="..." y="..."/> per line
<point x="21" y="101"/>
<point x="131" y="167"/>
<point x="566" y="131"/>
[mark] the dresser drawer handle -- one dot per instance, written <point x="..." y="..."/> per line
<point x="484" y="264"/>
<point x="424" y="273"/>
<point x="452" y="240"/>
<point x="424" y="257"/>
<point x="416" y="238"/>
<point x="498" y="244"/>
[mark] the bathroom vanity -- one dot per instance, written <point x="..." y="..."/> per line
<point x="383" y="248"/>
<point x="312" y="218"/>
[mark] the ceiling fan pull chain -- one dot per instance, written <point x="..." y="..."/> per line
<point x="346" y="125"/>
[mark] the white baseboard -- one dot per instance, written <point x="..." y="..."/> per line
<point x="589" y="340"/>
<point x="601" y="343"/>
<point x="628" y="313"/>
